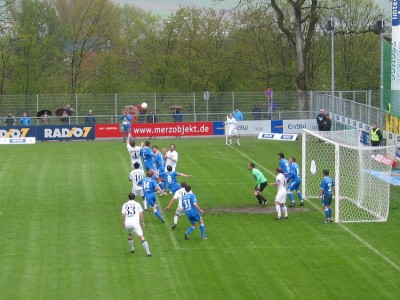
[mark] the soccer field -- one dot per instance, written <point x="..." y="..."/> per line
<point x="61" y="234"/>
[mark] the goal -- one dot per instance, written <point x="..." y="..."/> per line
<point x="361" y="173"/>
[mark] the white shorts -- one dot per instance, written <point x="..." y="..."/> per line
<point x="281" y="197"/>
<point x="180" y="211"/>
<point x="232" y="132"/>
<point x="137" y="192"/>
<point x="134" y="228"/>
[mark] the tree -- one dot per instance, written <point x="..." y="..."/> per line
<point x="34" y="43"/>
<point x="88" y="25"/>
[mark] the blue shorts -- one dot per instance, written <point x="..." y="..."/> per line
<point x="194" y="217"/>
<point x="294" y="185"/>
<point x="149" y="166"/>
<point x="174" y="187"/>
<point x="151" y="199"/>
<point x="326" y="200"/>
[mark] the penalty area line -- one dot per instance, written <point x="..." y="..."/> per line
<point x="349" y="231"/>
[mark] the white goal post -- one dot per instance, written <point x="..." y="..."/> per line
<point x="361" y="173"/>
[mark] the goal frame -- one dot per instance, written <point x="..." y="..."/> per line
<point x="354" y="145"/>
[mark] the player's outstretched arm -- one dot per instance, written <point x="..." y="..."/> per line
<point x="170" y="203"/>
<point x="161" y="191"/>
<point x="184" y="175"/>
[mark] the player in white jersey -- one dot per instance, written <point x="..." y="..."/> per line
<point x="135" y="176"/>
<point x="179" y="210"/>
<point x="134" y="152"/>
<point x="171" y="157"/>
<point x="232" y="129"/>
<point x="280" y="199"/>
<point x="131" y="216"/>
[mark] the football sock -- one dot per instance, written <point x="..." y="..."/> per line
<point x="260" y="198"/>
<point x="176" y="219"/>
<point x="300" y="196"/>
<point x="190" y="229"/>
<point x="230" y="141"/>
<point x="291" y="197"/>
<point x="284" y="209"/>
<point x="157" y="213"/>
<point x="202" y="230"/>
<point x="130" y="242"/>
<point x="327" y="213"/>
<point x="145" y="204"/>
<point x="278" y="210"/>
<point x="146" y="246"/>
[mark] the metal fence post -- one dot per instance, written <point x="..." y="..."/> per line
<point x="76" y="109"/>
<point x="194" y="107"/>
<point x="115" y="107"/>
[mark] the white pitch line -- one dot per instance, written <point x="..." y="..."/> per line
<point x="349" y="231"/>
<point x="171" y="234"/>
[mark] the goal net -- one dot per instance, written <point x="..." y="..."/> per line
<point x="361" y="173"/>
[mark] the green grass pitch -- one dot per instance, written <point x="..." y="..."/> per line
<point x="61" y="234"/>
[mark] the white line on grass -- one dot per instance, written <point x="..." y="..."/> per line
<point x="171" y="234"/>
<point x="357" y="237"/>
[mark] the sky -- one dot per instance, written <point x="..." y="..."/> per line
<point x="166" y="7"/>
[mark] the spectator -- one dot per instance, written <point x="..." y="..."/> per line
<point x="177" y="115"/>
<point x="376" y="136"/>
<point x="321" y="119"/>
<point x="69" y="110"/>
<point x="126" y="125"/>
<point x="65" y="119"/>
<point x="327" y="124"/>
<point x="25" y="120"/>
<point x="237" y="114"/>
<point x="257" y="112"/>
<point x="45" y="118"/>
<point x="10" y="120"/>
<point x="90" y="119"/>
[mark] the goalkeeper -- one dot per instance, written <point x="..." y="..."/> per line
<point x="261" y="183"/>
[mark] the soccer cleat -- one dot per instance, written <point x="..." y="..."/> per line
<point x="186" y="237"/>
<point x="203" y="237"/>
<point x="132" y="251"/>
<point x="149" y="255"/>
<point x="163" y="221"/>
<point x="328" y="221"/>
<point x="174" y="226"/>
<point x="287" y="217"/>
<point x="292" y="204"/>
<point x="238" y="143"/>
<point x="265" y="203"/>
<point x="301" y="203"/>
<point x="278" y="218"/>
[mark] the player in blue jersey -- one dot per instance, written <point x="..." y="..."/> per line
<point x="170" y="179"/>
<point x="284" y="165"/>
<point x="148" y="156"/>
<point x="295" y="180"/>
<point x="193" y="213"/>
<point x="178" y="196"/>
<point x="326" y="190"/>
<point x="159" y="164"/>
<point x="150" y="186"/>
